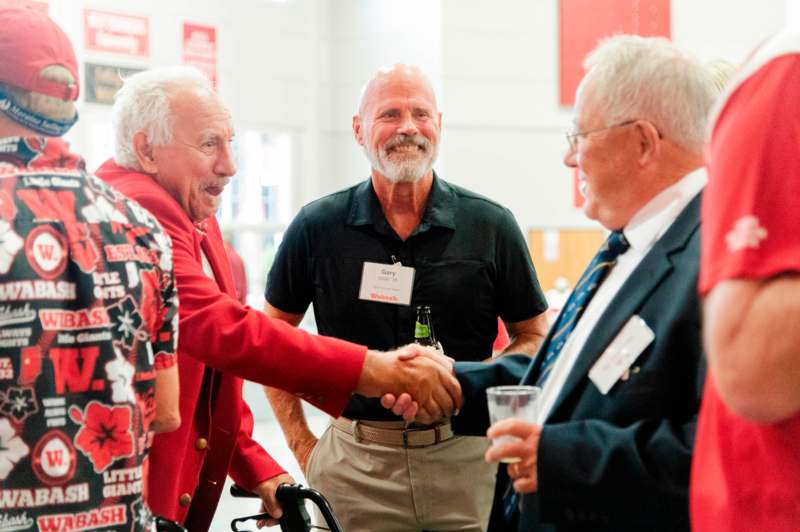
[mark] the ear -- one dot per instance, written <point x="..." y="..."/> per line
<point x="649" y="142"/>
<point x="358" y="130"/>
<point x="439" y="120"/>
<point x="144" y="153"/>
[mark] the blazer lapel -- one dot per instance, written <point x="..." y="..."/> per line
<point x="644" y="279"/>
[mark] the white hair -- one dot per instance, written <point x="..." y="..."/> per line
<point x="649" y="78"/>
<point x="143" y="104"/>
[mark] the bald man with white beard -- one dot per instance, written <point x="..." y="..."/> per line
<point x="455" y="251"/>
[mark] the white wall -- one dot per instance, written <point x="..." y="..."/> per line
<point x="504" y="126"/>
<point x="363" y="36"/>
<point x="298" y="67"/>
<point x="496" y="68"/>
<point x="268" y="64"/>
<point x="793" y="14"/>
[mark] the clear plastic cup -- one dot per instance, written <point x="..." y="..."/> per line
<point x="506" y="402"/>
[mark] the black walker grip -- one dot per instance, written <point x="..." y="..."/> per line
<point x="291" y="498"/>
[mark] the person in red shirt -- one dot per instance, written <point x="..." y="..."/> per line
<point x="173" y="155"/>
<point x="746" y="467"/>
<point x="88" y="309"/>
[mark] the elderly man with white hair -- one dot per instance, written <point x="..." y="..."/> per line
<point x="622" y="368"/>
<point x="173" y="155"/>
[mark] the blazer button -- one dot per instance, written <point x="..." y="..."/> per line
<point x="200" y="444"/>
<point x="185" y="499"/>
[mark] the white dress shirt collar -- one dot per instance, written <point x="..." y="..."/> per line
<point x="643" y="231"/>
<point x="651" y="221"/>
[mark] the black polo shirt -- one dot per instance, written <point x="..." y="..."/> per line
<point x="471" y="265"/>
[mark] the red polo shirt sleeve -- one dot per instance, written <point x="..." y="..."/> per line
<point x="752" y="199"/>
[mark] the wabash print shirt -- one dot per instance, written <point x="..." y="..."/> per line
<point x="88" y="314"/>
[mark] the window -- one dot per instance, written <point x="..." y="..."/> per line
<point x="257" y="205"/>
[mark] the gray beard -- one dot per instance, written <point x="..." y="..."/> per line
<point x="406" y="171"/>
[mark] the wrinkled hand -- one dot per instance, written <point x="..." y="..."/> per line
<point x="525" y="472"/>
<point x="422" y="374"/>
<point x="269" y="502"/>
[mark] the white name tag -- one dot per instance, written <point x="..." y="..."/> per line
<point x="386" y="283"/>
<point x="632" y="339"/>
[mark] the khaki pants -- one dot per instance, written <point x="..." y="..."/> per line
<point x="377" y="488"/>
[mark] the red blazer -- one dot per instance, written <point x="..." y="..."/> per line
<point x="220" y="342"/>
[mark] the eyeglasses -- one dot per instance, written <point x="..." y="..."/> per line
<point x="572" y="137"/>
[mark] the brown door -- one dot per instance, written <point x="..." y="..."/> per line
<point x="562" y="253"/>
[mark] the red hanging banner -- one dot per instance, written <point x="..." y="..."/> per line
<point x="584" y="22"/>
<point x="200" y="49"/>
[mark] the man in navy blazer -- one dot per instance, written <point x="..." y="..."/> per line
<point x="611" y="450"/>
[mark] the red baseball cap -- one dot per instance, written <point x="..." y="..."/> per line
<point x="29" y="42"/>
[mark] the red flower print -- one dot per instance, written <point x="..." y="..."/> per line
<point x="105" y="435"/>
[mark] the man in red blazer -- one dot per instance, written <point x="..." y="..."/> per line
<point x="173" y="156"/>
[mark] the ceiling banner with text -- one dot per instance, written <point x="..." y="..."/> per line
<point x="116" y="33"/>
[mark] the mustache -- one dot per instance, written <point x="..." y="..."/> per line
<point x="407" y="140"/>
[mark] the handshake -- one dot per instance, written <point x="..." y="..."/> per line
<point x="413" y="381"/>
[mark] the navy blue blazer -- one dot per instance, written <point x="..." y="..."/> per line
<point x="621" y="461"/>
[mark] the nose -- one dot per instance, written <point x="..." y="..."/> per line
<point x="407" y="125"/>
<point x="570" y="158"/>
<point x="225" y="165"/>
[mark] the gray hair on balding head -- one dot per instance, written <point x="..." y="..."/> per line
<point x="143" y="104"/>
<point x="649" y="78"/>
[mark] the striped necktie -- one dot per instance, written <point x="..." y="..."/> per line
<point x="601" y="264"/>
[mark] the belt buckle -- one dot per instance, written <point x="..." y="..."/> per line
<point x="437" y="437"/>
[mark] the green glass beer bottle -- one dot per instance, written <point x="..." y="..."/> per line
<point x="423" y="328"/>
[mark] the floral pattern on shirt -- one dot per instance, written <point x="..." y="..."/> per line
<point x="88" y="315"/>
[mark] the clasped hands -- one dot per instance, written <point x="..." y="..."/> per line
<point x="419" y="385"/>
<point x="415" y="382"/>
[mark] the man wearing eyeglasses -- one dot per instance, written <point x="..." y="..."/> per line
<point x="622" y="368"/>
